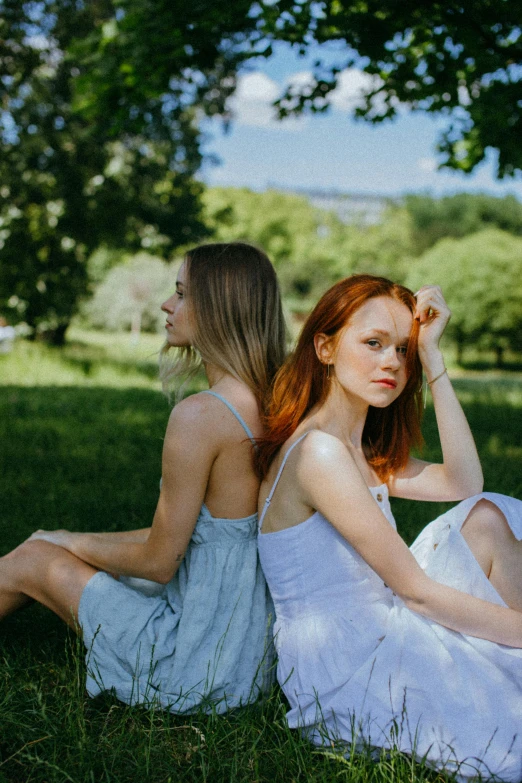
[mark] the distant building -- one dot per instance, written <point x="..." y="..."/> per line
<point x="362" y="208"/>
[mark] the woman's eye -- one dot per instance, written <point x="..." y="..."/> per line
<point x="373" y="343"/>
<point x="402" y="349"/>
<point x="179" y="294"/>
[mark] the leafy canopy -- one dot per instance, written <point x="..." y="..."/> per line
<point x="460" y="58"/>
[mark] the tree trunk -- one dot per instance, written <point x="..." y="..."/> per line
<point x="53" y="336"/>
<point x="136" y="327"/>
<point x="460" y="352"/>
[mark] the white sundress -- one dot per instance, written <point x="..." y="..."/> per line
<point x="358" y="667"/>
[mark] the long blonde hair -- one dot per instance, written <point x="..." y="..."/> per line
<point x="234" y="299"/>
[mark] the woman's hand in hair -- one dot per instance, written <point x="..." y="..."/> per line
<point x="433" y="315"/>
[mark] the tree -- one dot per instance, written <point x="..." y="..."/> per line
<point x="311" y="248"/>
<point x="481" y="278"/>
<point x="460" y="58"/>
<point x="305" y="244"/>
<point x="68" y="184"/>
<point x="384" y="248"/>
<point x="150" y="61"/>
<point x="131" y="294"/>
<point x="459" y="215"/>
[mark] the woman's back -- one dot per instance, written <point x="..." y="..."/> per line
<point x="233" y="484"/>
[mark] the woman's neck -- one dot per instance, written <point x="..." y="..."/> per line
<point x="341" y="415"/>
<point x="214" y="373"/>
<point x="217" y="376"/>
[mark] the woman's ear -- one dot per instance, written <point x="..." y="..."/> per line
<point x="324" y="348"/>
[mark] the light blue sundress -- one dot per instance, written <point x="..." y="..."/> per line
<point x="199" y="642"/>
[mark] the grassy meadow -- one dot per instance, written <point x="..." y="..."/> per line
<point x="81" y="432"/>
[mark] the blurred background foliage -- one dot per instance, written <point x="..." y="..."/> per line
<point x="101" y="144"/>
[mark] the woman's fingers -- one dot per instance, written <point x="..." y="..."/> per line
<point x="431" y="304"/>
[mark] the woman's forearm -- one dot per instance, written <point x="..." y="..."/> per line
<point x="461" y="465"/>
<point x="146" y="559"/>
<point x="128" y="558"/>
<point x="137" y="536"/>
<point x="467" y="614"/>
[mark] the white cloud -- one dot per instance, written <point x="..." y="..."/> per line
<point x="351" y="86"/>
<point x="256" y="87"/>
<point x="427" y="165"/>
<point x="252" y="102"/>
<point x="256" y="92"/>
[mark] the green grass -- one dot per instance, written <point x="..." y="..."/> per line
<point x="81" y="433"/>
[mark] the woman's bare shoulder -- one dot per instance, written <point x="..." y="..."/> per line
<point x="204" y="415"/>
<point x="321" y="451"/>
<point x="193" y="417"/>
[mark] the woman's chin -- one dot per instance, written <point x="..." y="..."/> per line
<point x="384" y="399"/>
<point x="173" y="342"/>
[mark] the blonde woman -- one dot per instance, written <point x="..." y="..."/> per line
<point x="192" y="635"/>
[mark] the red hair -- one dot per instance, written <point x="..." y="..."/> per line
<point x="302" y="383"/>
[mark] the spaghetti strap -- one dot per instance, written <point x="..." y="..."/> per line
<point x="236" y="414"/>
<point x="278" y="476"/>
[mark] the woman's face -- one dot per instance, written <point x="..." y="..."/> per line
<point x="369" y="357"/>
<point x="179" y="323"/>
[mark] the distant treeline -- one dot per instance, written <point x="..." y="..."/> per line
<point x="469" y="244"/>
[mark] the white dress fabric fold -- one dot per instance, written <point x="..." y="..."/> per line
<point x="360" y="669"/>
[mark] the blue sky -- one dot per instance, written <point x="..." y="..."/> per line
<point x="332" y="151"/>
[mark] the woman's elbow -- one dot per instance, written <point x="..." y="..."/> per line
<point x="163" y="574"/>
<point x="160" y="564"/>
<point x="461" y="485"/>
<point x="415" y="604"/>
<point x="473" y="486"/>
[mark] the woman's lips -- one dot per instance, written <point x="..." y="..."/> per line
<point x="388" y="382"/>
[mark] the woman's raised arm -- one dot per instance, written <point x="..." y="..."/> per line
<point x="190" y="447"/>
<point x="331" y="483"/>
<point x="460" y="474"/>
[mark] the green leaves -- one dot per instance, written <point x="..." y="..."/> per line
<point x="481" y="278"/>
<point x="69" y="182"/>
<point x="462" y="59"/>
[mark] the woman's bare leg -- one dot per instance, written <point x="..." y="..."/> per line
<point x="499" y="554"/>
<point x="47" y="573"/>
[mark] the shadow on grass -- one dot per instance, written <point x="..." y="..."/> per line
<point x="487" y="366"/>
<point x="89" y="458"/>
<point x="89" y="358"/>
<point x="79" y="458"/>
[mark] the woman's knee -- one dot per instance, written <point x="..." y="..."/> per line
<point x="26" y="552"/>
<point x="485" y="530"/>
<point x="487" y="520"/>
<point x="487" y="534"/>
<point x="35" y="562"/>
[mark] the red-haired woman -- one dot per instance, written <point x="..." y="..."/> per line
<point x="380" y="645"/>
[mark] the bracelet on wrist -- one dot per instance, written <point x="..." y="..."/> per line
<point x="430" y="383"/>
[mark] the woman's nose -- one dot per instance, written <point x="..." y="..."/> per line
<point x="390" y="358"/>
<point x="167" y="305"/>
